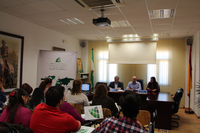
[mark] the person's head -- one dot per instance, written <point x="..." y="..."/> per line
<point x="153" y="80"/>
<point x="37" y="97"/>
<point x="130" y="104"/>
<point x="27" y="88"/>
<point x="3" y="42"/>
<point x="55" y="96"/>
<point x="116" y="79"/>
<point x="17" y="97"/>
<point x="101" y="91"/>
<point x="46" y="83"/>
<point x="134" y="79"/>
<point x="14" y="128"/>
<point x="76" y="89"/>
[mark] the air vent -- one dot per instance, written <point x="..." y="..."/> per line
<point x="95" y="4"/>
<point x="122" y="23"/>
<point x="163" y="13"/>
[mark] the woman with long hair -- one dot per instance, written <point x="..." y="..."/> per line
<point x="75" y="95"/>
<point x="28" y="89"/>
<point x="46" y="84"/>
<point x="16" y="111"/>
<point x="101" y="98"/>
<point x="153" y="85"/>
<point x="37" y="98"/>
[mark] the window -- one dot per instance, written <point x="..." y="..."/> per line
<point x="106" y="72"/>
<point x="161" y="69"/>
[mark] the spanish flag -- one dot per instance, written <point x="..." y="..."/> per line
<point x="189" y="79"/>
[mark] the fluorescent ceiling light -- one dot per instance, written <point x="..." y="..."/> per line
<point x="163" y="13"/>
<point x="121" y="23"/>
<point x="129" y="35"/>
<point x="164" y="34"/>
<point x="72" y="21"/>
<point x="155" y="34"/>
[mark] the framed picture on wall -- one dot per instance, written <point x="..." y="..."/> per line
<point x="79" y="65"/>
<point x="11" y="59"/>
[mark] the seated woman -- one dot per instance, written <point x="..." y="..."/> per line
<point x="68" y="108"/>
<point x="16" y="112"/>
<point x="46" y="84"/>
<point x="153" y="85"/>
<point x="28" y="89"/>
<point x="37" y="98"/>
<point x="75" y="95"/>
<point x="101" y="98"/>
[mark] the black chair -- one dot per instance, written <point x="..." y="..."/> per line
<point x="175" y="107"/>
<point x="100" y="83"/>
<point x="141" y="82"/>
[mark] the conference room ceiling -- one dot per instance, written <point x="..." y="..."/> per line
<point x="49" y="13"/>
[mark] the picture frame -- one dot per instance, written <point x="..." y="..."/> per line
<point x="58" y="49"/>
<point x="11" y="60"/>
<point x="79" y="65"/>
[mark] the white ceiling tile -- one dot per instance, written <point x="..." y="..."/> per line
<point x="186" y="19"/>
<point x="29" y="1"/>
<point x="161" y="27"/>
<point x="183" y="25"/>
<point x="197" y="25"/>
<point x="161" y="4"/>
<point x="123" y="29"/>
<point x="54" y="23"/>
<point x="42" y="17"/>
<point x="188" y="3"/>
<point x="24" y="9"/>
<point x="137" y="16"/>
<point x="180" y="30"/>
<point x="43" y="24"/>
<point x="45" y="6"/>
<point x="185" y="11"/>
<point x="162" y="31"/>
<point x="139" y="23"/>
<point x="6" y="10"/>
<point x="9" y="3"/>
<point x="67" y="4"/>
<point x="115" y="17"/>
<point x="165" y="21"/>
<point x="107" y="11"/>
<point x="60" y="14"/>
<point x="27" y="18"/>
<point x="134" y="6"/>
<point x="83" y="13"/>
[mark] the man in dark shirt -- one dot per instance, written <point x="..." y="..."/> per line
<point x="130" y="103"/>
<point x="116" y="84"/>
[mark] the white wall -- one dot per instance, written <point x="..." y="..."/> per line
<point x="195" y="73"/>
<point x="36" y="38"/>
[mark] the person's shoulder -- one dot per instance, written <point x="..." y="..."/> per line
<point x="25" y="110"/>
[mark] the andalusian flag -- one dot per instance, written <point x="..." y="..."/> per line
<point x="92" y="70"/>
<point x="189" y="79"/>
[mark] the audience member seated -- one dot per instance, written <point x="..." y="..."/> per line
<point x="153" y="85"/>
<point x="101" y="98"/>
<point x="16" y="112"/>
<point x="37" y="98"/>
<point x="13" y="128"/>
<point x="28" y="89"/>
<point x="75" y="95"/>
<point x="2" y="95"/>
<point x="130" y="104"/>
<point x="134" y="84"/>
<point x="116" y="84"/>
<point x="68" y="108"/>
<point x="45" y="84"/>
<point x="48" y="118"/>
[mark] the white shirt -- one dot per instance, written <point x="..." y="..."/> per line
<point x="79" y="99"/>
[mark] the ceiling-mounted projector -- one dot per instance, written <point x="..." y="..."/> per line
<point x="101" y="21"/>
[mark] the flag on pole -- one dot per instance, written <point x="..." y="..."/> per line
<point x="92" y="70"/>
<point x="189" y="79"/>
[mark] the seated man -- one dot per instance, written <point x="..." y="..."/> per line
<point x="47" y="118"/>
<point x="134" y="84"/>
<point x="116" y="84"/>
<point x="130" y="104"/>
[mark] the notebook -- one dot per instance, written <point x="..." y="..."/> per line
<point x="93" y="112"/>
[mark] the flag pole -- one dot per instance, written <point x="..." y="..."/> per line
<point x="188" y="111"/>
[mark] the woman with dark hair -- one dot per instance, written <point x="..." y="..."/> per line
<point x="37" y="98"/>
<point x="28" y="89"/>
<point x="101" y="98"/>
<point x="153" y="85"/>
<point x="75" y="95"/>
<point x="46" y="84"/>
<point x="16" y="111"/>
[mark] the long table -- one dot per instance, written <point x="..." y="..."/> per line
<point x="162" y="102"/>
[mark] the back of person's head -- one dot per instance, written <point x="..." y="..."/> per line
<point x="130" y="103"/>
<point x="101" y="91"/>
<point x="76" y="89"/>
<point x="44" y="83"/>
<point x="14" y="128"/>
<point x="54" y="94"/>
<point x="37" y="97"/>
<point x="15" y="100"/>
<point x="27" y="88"/>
